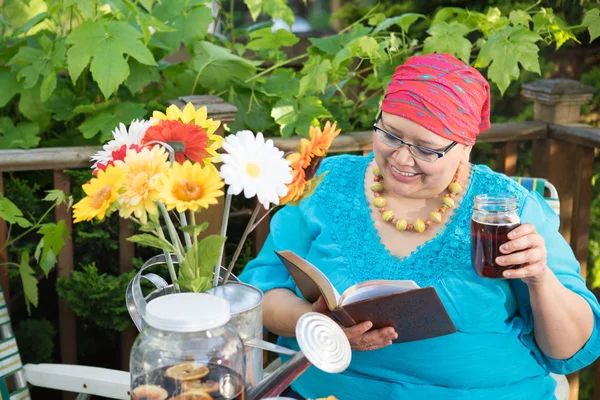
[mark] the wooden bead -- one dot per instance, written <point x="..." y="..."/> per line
<point x="381" y="210"/>
<point x="387" y="215"/>
<point x="428" y="222"/>
<point x="410" y="227"/>
<point x="377" y="187"/>
<point x="377" y="179"/>
<point x="376" y="194"/>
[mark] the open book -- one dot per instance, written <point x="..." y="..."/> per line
<point x="415" y="313"/>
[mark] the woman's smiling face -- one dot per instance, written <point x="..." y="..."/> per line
<point x="404" y="174"/>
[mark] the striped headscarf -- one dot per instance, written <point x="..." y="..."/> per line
<point x="442" y="94"/>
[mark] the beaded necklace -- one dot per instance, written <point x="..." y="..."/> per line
<point x="454" y="189"/>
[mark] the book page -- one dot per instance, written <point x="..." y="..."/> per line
<point x="309" y="279"/>
<point x="372" y="289"/>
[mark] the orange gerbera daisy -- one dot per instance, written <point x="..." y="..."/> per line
<point x="189" y="140"/>
<point x="299" y="161"/>
<point x="321" y="140"/>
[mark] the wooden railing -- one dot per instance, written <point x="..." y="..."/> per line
<point x="563" y="152"/>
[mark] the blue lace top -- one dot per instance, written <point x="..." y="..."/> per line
<point x="492" y="356"/>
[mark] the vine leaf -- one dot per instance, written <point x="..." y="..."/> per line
<point x="505" y="50"/>
<point x="449" y="38"/>
<point x="105" y="43"/>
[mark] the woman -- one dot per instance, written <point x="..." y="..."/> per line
<point x="511" y="332"/>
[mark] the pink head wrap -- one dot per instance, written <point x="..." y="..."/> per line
<point x="442" y="94"/>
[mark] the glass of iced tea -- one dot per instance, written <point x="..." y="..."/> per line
<point x="494" y="216"/>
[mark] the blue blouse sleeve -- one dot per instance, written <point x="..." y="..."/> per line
<point x="288" y="231"/>
<point x="565" y="266"/>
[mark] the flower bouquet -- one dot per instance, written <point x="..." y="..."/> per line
<point x="161" y="172"/>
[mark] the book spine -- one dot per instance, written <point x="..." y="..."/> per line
<point x="343" y="317"/>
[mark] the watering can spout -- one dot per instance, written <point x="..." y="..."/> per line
<point x="322" y="343"/>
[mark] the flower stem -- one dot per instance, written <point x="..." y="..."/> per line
<point x="240" y="245"/>
<point x="257" y="223"/>
<point x="186" y="236"/>
<point x="170" y="265"/>
<point x="225" y="220"/>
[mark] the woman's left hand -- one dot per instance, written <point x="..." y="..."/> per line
<point x="526" y="247"/>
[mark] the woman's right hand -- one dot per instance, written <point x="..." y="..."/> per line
<point x="359" y="336"/>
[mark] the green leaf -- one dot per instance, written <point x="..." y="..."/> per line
<point x="254" y="6"/>
<point x="87" y="8"/>
<point x="263" y="39"/>
<point x="298" y="115"/>
<point x="279" y="9"/>
<point x="141" y="76"/>
<point x="504" y="51"/>
<point x="194" y="230"/>
<point x="592" y="21"/>
<point x="334" y="44"/>
<point x="404" y="21"/>
<point x="105" y="121"/>
<point x="315" y="75"/>
<point x="53" y="241"/>
<point x="546" y="21"/>
<point x="449" y="38"/>
<point x="146" y="239"/>
<point x="9" y="84"/>
<point x="46" y="260"/>
<point x="520" y="17"/>
<point x="365" y="47"/>
<point x="282" y="83"/>
<point x="29" y="282"/>
<point x="376" y="19"/>
<point x="48" y="86"/>
<point x="150" y="226"/>
<point x="196" y="285"/>
<point x="252" y="110"/>
<point x="32" y="107"/>
<point x="188" y="27"/>
<point x="105" y="43"/>
<point x="62" y="103"/>
<point x="22" y="136"/>
<point x="30" y="63"/>
<point x="208" y="253"/>
<point x="217" y="66"/>
<point x="11" y="213"/>
<point x="55" y="195"/>
<point x="33" y="21"/>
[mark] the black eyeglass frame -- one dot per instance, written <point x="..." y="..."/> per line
<point x="438" y="153"/>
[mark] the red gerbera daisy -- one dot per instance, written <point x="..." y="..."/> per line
<point x="188" y="140"/>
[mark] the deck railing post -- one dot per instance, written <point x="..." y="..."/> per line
<point x="568" y="166"/>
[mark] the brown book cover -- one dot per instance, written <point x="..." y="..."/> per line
<point x="415" y="313"/>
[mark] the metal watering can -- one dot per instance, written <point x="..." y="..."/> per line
<point x="322" y="342"/>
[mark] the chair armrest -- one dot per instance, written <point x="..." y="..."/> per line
<point x="104" y="382"/>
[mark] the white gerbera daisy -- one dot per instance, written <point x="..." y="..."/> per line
<point x="255" y="166"/>
<point x="122" y="137"/>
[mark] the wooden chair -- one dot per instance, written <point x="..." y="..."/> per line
<point x="87" y="381"/>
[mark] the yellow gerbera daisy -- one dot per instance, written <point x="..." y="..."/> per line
<point x="198" y="117"/>
<point x="142" y="173"/>
<point x="189" y="186"/>
<point x="101" y="194"/>
<point x="321" y="140"/>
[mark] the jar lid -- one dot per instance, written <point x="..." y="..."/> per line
<point x="187" y="312"/>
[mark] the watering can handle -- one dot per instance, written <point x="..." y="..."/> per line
<point x="134" y="298"/>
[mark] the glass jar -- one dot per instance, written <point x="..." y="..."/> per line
<point x="493" y="218"/>
<point x="187" y="351"/>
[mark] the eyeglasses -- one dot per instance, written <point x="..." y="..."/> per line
<point x="422" y="153"/>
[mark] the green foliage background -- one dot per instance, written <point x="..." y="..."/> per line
<point x="70" y="71"/>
